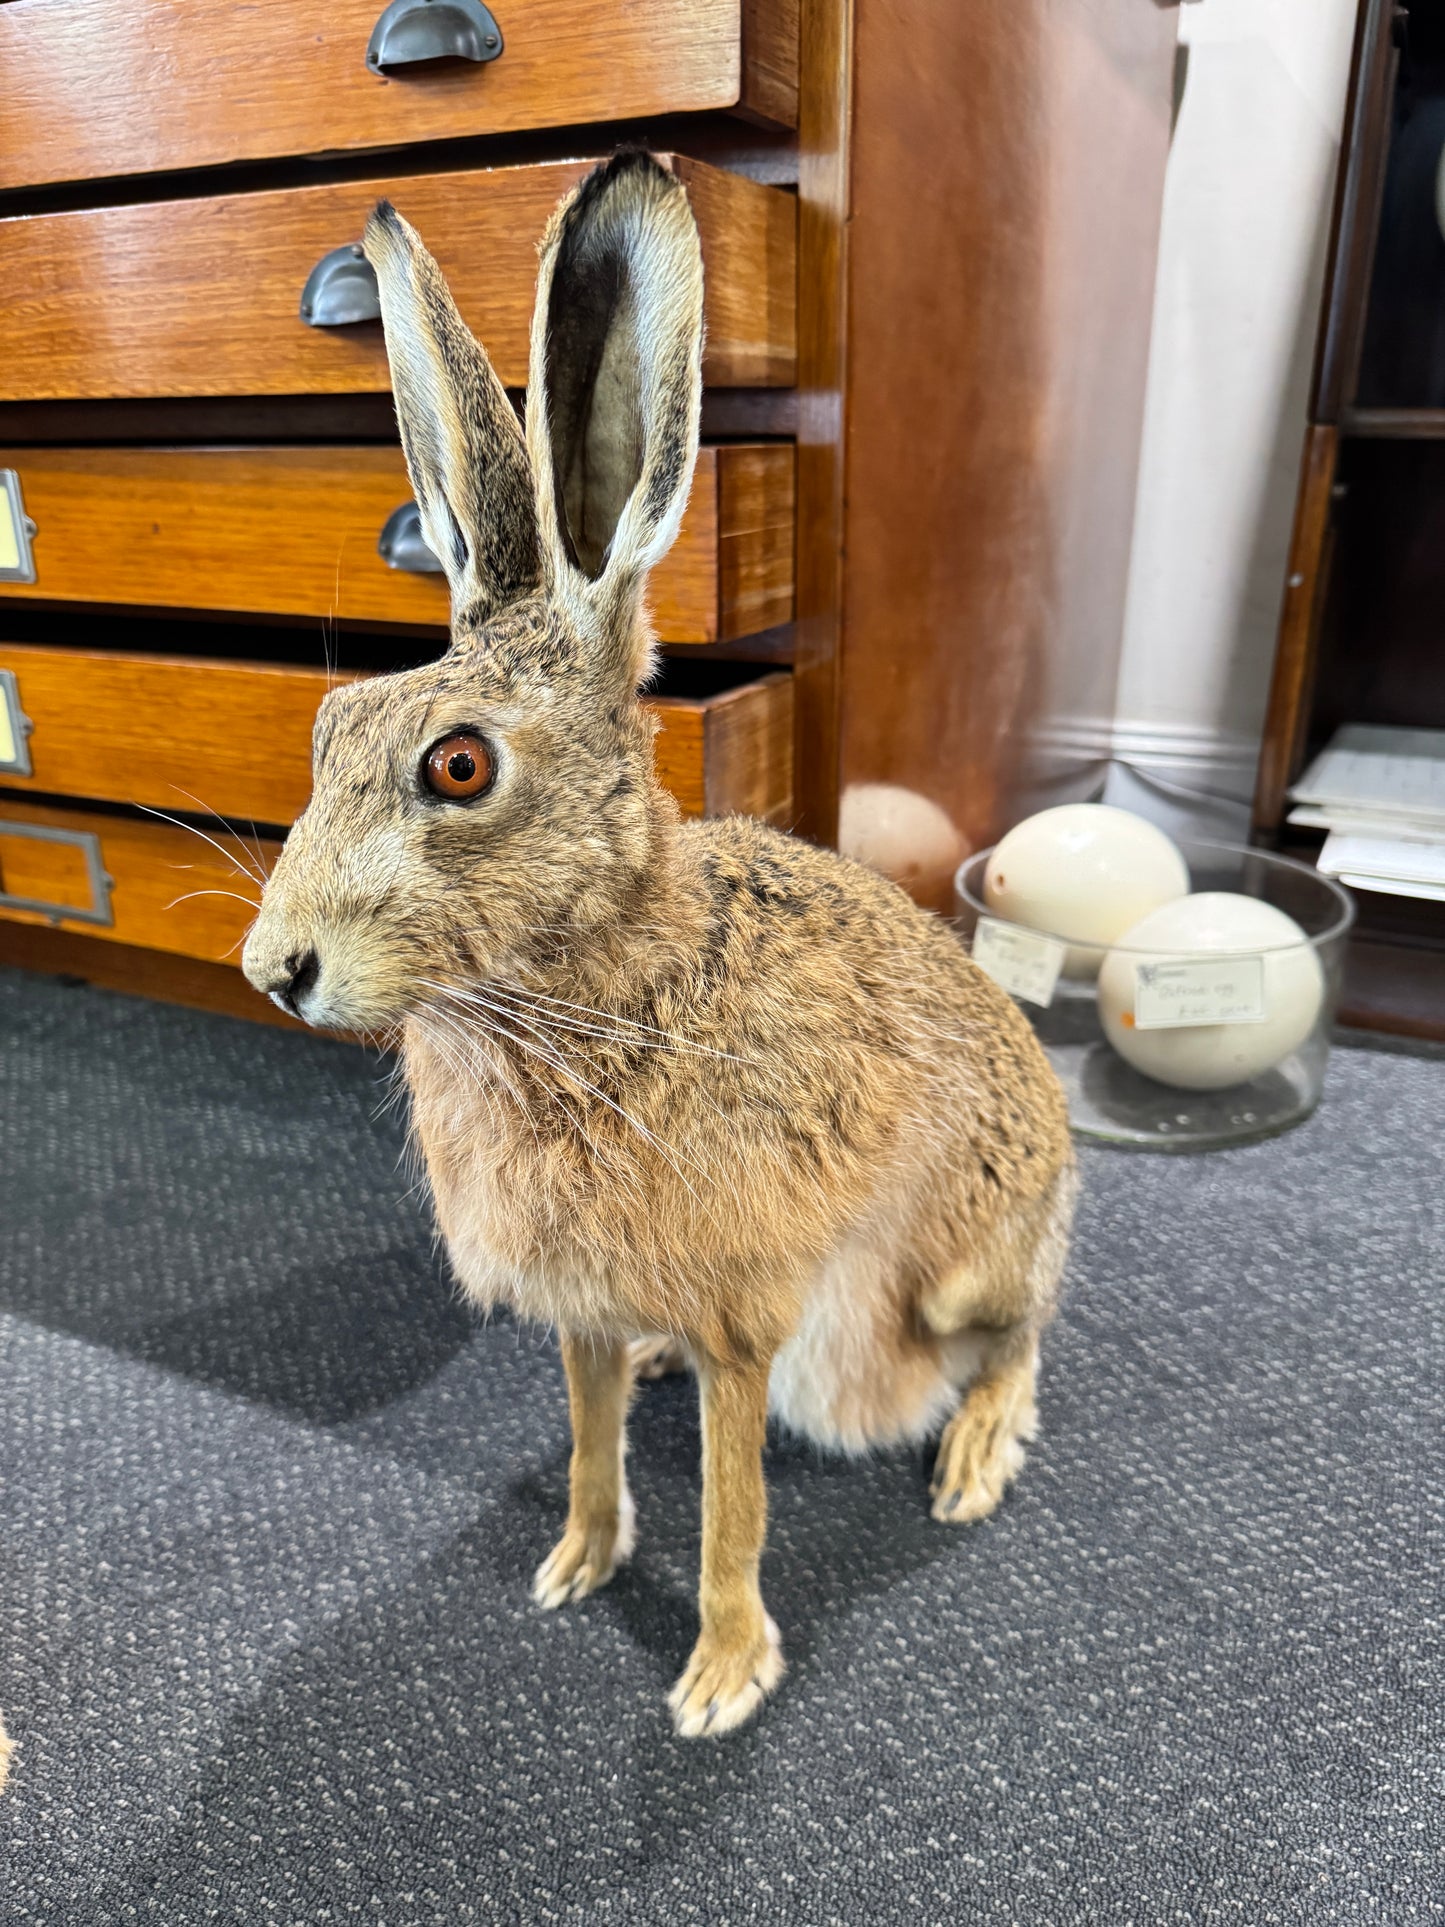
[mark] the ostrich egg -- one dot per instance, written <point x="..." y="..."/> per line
<point x="1085" y="872"/>
<point x="1277" y="986"/>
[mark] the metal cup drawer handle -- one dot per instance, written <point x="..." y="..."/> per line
<point x="411" y="31"/>
<point x="341" y="290"/>
<point x="401" y="544"/>
<point x="88" y="843"/>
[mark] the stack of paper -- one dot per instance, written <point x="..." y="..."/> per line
<point x="1381" y="795"/>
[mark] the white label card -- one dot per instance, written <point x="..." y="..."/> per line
<point x="1022" y="962"/>
<point x="1199" y="990"/>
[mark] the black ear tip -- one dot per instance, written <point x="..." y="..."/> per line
<point x="383" y="231"/>
<point x="384" y="220"/>
<point x="629" y="168"/>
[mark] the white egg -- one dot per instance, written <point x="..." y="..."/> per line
<point x="1084" y="871"/>
<point x="1210" y="1057"/>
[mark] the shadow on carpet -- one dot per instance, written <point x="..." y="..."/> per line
<point x="272" y="1500"/>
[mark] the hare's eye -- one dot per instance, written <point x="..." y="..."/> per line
<point x="458" y="767"/>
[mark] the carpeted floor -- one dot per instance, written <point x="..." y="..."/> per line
<point x="270" y="1505"/>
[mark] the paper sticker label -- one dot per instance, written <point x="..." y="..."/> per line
<point x="9" y="757"/>
<point x="1199" y="990"/>
<point x="1022" y="962"/>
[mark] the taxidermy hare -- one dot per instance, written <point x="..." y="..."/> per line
<point x="690" y="1092"/>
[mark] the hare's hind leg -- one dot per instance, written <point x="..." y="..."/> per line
<point x="982" y="1448"/>
<point x="988" y="1313"/>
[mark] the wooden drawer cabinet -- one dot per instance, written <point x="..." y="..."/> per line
<point x="249" y="82"/>
<point x="203" y="297"/>
<point x="189" y="734"/>
<point x="911" y="212"/>
<point x="294" y="531"/>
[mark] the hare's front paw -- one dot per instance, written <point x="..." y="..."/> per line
<point x="585" y="1557"/>
<point x="725" y="1685"/>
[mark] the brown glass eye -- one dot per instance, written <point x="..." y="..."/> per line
<point x="459" y="767"/>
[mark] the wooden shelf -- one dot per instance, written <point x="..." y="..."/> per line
<point x="1394" y="424"/>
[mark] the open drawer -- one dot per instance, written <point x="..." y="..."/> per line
<point x="268" y="294"/>
<point x="320" y="76"/>
<point x="301" y="532"/>
<point x="194" y="734"/>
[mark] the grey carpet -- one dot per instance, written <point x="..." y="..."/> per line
<point x="271" y="1502"/>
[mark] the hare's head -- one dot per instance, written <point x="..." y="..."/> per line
<point x="462" y="813"/>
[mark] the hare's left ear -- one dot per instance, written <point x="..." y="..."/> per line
<point x="463" y="443"/>
<point x="614" y="395"/>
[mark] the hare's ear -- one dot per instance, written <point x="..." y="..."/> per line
<point x="464" y="445"/>
<point x="614" y="394"/>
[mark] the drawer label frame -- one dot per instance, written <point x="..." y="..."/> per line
<point x="99" y="910"/>
<point x="16" y="529"/>
<point x="15" y="729"/>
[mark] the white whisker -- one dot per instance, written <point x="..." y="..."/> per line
<point x="192" y="894"/>
<point x="224" y="854"/>
<point x="261" y="873"/>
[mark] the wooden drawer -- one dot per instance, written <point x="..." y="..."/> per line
<point x="235" y="82"/>
<point x="164" y="888"/>
<point x="293" y="531"/>
<point x="137" y="729"/>
<point x="186" y="734"/>
<point x="203" y="297"/>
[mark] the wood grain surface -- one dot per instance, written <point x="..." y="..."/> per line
<point x="188" y="735"/>
<point x="293" y="531"/>
<point x="202" y="297"/>
<point x="171" y="889"/>
<point x="997" y="337"/>
<point x="1287" y="715"/>
<point x="223" y="83"/>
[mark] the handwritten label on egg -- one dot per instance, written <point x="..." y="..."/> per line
<point x="1199" y="990"/>
<point x="1021" y="962"/>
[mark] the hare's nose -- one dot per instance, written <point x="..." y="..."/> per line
<point x="299" y="973"/>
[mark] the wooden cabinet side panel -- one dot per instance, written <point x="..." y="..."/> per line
<point x="1000" y="274"/>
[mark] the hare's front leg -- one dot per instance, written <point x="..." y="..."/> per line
<point x="600" y="1522"/>
<point x="737" y="1660"/>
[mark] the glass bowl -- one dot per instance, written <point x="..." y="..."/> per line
<point x="1243" y="1034"/>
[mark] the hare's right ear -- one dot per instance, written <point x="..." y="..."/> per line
<point x="613" y="396"/>
<point x="463" y="443"/>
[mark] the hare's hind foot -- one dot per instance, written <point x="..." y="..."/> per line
<point x="726" y="1683"/>
<point x="585" y="1557"/>
<point x="657" y="1357"/>
<point x="982" y="1449"/>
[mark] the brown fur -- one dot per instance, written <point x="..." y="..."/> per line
<point x="696" y="1088"/>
